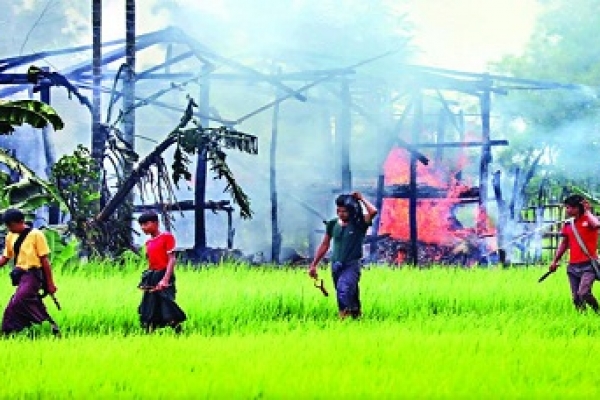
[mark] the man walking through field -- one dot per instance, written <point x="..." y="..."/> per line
<point x="348" y="232"/>
<point x="580" y="270"/>
<point x="31" y="273"/>
<point x="158" y="307"/>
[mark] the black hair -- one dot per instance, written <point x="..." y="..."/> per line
<point x="148" y="217"/>
<point x="12" y="215"/>
<point x="575" y="200"/>
<point x="352" y="205"/>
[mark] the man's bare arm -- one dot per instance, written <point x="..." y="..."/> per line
<point x="3" y="261"/>
<point x="371" y="209"/>
<point x="587" y="211"/>
<point x="594" y="222"/>
<point x="48" y="273"/>
<point x="321" y="251"/>
<point x="164" y="282"/>
<point x="562" y="248"/>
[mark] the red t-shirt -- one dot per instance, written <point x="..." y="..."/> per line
<point x="589" y="236"/>
<point x="158" y="250"/>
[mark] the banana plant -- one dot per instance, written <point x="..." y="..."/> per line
<point x="30" y="192"/>
<point x="32" y="112"/>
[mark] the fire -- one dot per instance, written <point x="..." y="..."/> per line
<point x="436" y="222"/>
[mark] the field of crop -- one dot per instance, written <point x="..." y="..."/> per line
<point x="265" y="333"/>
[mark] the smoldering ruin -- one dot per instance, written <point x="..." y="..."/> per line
<point x="418" y="141"/>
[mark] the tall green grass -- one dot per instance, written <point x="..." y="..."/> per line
<point x="268" y="333"/>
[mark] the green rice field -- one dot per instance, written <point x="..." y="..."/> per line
<point x="268" y="333"/>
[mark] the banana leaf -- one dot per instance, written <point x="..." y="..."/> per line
<point x="29" y="176"/>
<point x="32" y="112"/>
<point x="22" y="190"/>
<point x="31" y="203"/>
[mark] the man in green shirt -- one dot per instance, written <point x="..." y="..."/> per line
<point x="348" y="232"/>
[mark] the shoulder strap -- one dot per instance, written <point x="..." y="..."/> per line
<point x="579" y="240"/>
<point x="19" y="242"/>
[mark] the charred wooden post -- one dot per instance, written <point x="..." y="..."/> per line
<point x="49" y="151"/>
<point x="98" y="133"/>
<point x="311" y="234"/>
<point x="417" y="130"/>
<point x="222" y="205"/>
<point x="201" y="166"/>
<point x="275" y="233"/>
<point x="343" y="132"/>
<point x="516" y="199"/>
<point x="230" y="229"/>
<point x="486" y="156"/>
<point x="502" y="219"/>
<point x="441" y="135"/>
<point x="168" y="58"/>
<point x="461" y="125"/>
<point x="126" y="208"/>
<point x="379" y="204"/>
<point x="129" y="80"/>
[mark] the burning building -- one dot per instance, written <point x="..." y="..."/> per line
<point x="450" y="228"/>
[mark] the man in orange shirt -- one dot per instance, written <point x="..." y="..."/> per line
<point x="158" y="307"/>
<point x="580" y="271"/>
<point x="32" y="271"/>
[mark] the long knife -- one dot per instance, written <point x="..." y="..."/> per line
<point x="55" y="300"/>
<point x="543" y="277"/>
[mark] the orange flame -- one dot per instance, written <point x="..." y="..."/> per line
<point x="434" y="216"/>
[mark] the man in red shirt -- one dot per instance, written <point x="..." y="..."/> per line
<point x="580" y="271"/>
<point x="158" y="307"/>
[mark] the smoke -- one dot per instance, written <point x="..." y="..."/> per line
<point x="289" y="37"/>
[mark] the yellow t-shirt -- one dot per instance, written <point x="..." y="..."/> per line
<point x="33" y="247"/>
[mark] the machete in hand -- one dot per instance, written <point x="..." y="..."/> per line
<point x="55" y="300"/>
<point x="543" y="277"/>
<point x="321" y="286"/>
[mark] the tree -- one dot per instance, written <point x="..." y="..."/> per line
<point x="560" y="124"/>
<point x="24" y="189"/>
<point x="107" y="233"/>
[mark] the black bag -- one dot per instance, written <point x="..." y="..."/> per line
<point x="17" y="273"/>
<point x="15" y="276"/>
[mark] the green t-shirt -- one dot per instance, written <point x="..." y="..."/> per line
<point x="347" y="240"/>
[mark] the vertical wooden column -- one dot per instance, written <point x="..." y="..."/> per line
<point x="417" y="130"/>
<point x="461" y="125"/>
<point x="486" y="157"/>
<point x="98" y="134"/>
<point x="129" y="79"/>
<point x="126" y="210"/>
<point x="343" y="132"/>
<point x="441" y="135"/>
<point x="230" y="229"/>
<point x="275" y="233"/>
<point x="379" y="204"/>
<point x="310" y="229"/>
<point x="49" y="151"/>
<point x="502" y="239"/>
<point x="200" y="189"/>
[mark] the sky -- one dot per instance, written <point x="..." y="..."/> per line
<point x="456" y="34"/>
<point x="467" y="34"/>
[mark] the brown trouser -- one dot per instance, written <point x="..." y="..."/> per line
<point x="581" y="279"/>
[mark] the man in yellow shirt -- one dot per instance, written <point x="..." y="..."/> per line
<point x="29" y="249"/>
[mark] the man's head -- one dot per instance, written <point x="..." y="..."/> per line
<point x="14" y="220"/>
<point x="149" y="223"/>
<point x="345" y="209"/>
<point x="574" y="205"/>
